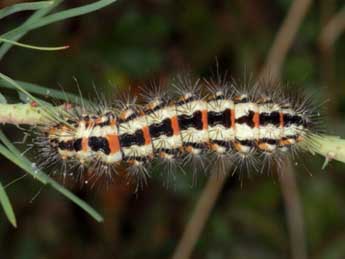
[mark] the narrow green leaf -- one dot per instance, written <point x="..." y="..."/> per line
<point x="6" y="205"/>
<point x="31" y="6"/>
<point x="23" y="163"/>
<point x="82" y="204"/>
<point x="43" y="91"/>
<point x="2" y="99"/>
<point x="32" y="46"/>
<point x="14" y="155"/>
<point x="20" y="31"/>
<point x="26" y="100"/>
<point x="59" y="16"/>
<point x="77" y="11"/>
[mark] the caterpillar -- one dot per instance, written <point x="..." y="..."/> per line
<point x="206" y="124"/>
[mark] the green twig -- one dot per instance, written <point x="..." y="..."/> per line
<point x="331" y="147"/>
<point x="32" y="46"/>
<point x="22" y="113"/>
<point x="48" y="111"/>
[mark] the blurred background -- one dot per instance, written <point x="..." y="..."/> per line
<point x="133" y="43"/>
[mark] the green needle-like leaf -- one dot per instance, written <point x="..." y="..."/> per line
<point x="2" y="99"/>
<point x="20" y="31"/>
<point x="32" y="46"/>
<point x="6" y="205"/>
<point x="12" y="153"/>
<point x="31" y="6"/>
<point x="43" y="91"/>
<point x="63" y="15"/>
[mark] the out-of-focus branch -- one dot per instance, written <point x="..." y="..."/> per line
<point x="327" y="64"/>
<point x="333" y="29"/>
<point x="287" y="180"/>
<point x="199" y="217"/>
<point x="284" y="39"/>
<point x="293" y="211"/>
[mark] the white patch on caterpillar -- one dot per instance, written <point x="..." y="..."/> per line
<point x="131" y="126"/>
<point x="243" y="131"/>
<point x="219" y="132"/>
<point x="191" y="134"/>
<point x="164" y="141"/>
<point x="269" y="130"/>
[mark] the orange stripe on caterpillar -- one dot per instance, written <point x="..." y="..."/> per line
<point x="204" y="119"/>
<point x="175" y="125"/>
<point x="256" y="120"/>
<point x="147" y="137"/>
<point x="114" y="143"/>
<point x="281" y="120"/>
<point x="85" y="144"/>
<point x="232" y="117"/>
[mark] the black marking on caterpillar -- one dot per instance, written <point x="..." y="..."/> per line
<point x="227" y="128"/>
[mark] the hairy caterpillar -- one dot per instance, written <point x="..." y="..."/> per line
<point x="207" y="125"/>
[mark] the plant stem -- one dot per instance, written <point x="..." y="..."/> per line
<point x="21" y="114"/>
